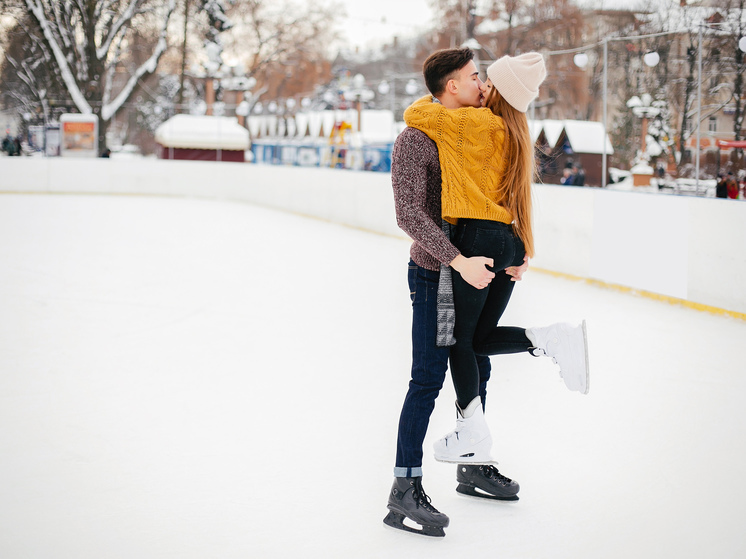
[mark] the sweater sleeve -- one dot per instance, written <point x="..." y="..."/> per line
<point x="416" y="212"/>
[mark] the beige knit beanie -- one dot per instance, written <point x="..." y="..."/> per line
<point x="518" y="78"/>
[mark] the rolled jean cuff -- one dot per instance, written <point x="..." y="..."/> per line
<point x="408" y="472"/>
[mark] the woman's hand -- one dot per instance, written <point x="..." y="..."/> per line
<point x="516" y="272"/>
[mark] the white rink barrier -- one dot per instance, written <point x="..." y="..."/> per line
<point x="678" y="247"/>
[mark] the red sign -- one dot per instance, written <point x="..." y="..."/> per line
<point x="84" y="127"/>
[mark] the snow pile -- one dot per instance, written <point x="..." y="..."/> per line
<point x="642" y="169"/>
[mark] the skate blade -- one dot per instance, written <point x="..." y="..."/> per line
<point x="472" y="492"/>
<point x="396" y="520"/>
<point x="471" y="460"/>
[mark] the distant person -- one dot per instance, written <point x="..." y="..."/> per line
<point x="106" y="154"/>
<point x="17" y="148"/>
<point x="568" y="178"/>
<point x="11" y="146"/>
<point x="721" y="188"/>
<point x="8" y="145"/>
<point x="578" y="175"/>
<point x="732" y="185"/>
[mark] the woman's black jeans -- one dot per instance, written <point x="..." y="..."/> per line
<point x="478" y="311"/>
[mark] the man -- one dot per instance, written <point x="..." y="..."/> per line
<point x="453" y="79"/>
<point x="721" y="188"/>
<point x="731" y="185"/>
<point x="578" y="174"/>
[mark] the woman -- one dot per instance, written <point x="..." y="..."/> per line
<point x="487" y="163"/>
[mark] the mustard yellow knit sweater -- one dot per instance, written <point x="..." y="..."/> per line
<point x="470" y="144"/>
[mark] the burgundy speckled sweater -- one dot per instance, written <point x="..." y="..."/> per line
<point x="415" y="176"/>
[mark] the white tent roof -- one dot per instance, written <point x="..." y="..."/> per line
<point x="552" y="130"/>
<point x="586" y="136"/>
<point x="377" y="125"/>
<point x="202" y="132"/>
<point x="534" y="127"/>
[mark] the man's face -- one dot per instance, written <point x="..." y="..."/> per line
<point x="469" y="86"/>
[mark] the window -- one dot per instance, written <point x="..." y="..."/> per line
<point x="712" y="125"/>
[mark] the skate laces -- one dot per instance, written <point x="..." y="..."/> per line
<point x="454" y="433"/>
<point x="421" y="499"/>
<point x="492" y="472"/>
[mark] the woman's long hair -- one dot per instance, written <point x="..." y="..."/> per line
<point x="515" y="187"/>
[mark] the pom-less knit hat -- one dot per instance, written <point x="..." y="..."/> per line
<point x="518" y="78"/>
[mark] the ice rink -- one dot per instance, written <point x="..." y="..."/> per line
<point x="191" y="379"/>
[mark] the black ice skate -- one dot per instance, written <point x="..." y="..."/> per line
<point x="485" y="482"/>
<point x="408" y="500"/>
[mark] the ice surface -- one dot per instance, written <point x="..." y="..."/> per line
<point x="187" y="378"/>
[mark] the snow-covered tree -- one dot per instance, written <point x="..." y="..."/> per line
<point x="727" y="27"/>
<point x="29" y="83"/>
<point x="217" y="22"/>
<point x="457" y="19"/>
<point x="283" y="44"/>
<point x="721" y="23"/>
<point x="90" y="43"/>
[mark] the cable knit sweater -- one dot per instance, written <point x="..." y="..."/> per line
<point x="470" y="145"/>
<point x="415" y="177"/>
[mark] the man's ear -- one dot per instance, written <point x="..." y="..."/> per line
<point x="452" y="87"/>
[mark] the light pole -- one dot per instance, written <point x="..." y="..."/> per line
<point x="604" y="170"/>
<point x="650" y="59"/>
<point x="699" y="104"/>
<point x="359" y="93"/>
<point x="241" y="86"/>
<point x="384" y="88"/>
<point x="412" y="87"/>
<point x="359" y="82"/>
<point x="644" y="108"/>
<point x="581" y="60"/>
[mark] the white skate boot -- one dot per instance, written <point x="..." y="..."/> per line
<point x="470" y="442"/>
<point x="567" y="345"/>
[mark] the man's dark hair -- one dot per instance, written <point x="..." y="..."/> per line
<point x="443" y="65"/>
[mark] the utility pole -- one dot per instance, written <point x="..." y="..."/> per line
<point x="183" y="54"/>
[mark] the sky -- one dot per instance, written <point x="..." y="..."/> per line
<point x="380" y="20"/>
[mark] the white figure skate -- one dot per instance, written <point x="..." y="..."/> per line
<point x="567" y="345"/>
<point x="470" y="442"/>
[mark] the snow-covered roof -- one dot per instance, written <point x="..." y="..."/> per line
<point x="552" y="130"/>
<point x="202" y="132"/>
<point x="534" y="128"/>
<point x="586" y="136"/>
